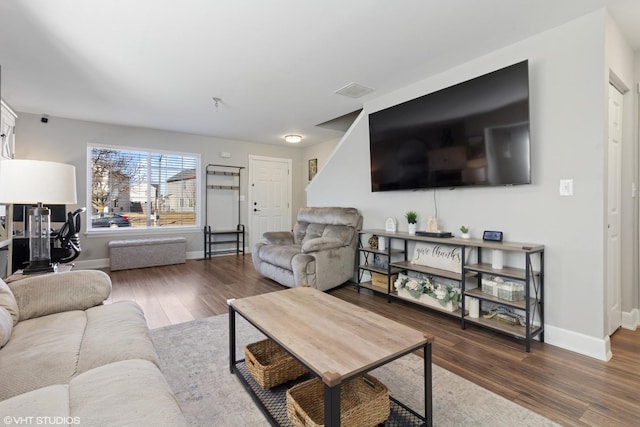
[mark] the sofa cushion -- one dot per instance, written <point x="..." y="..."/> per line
<point x="45" y="294"/>
<point x="42" y="352"/>
<point x="130" y="392"/>
<point x="330" y="215"/>
<point x="53" y="349"/>
<point x="115" y="332"/>
<point x="52" y="401"/>
<point x="279" y="256"/>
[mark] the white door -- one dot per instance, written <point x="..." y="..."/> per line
<point x="269" y="195"/>
<point x="614" y="179"/>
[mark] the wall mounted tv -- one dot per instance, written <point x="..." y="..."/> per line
<point x="474" y="133"/>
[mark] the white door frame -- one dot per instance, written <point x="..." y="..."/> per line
<point x="613" y="262"/>
<point x="250" y="190"/>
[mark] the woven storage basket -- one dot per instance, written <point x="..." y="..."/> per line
<point x="270" y="365"/>
<point x="364" y="402"/>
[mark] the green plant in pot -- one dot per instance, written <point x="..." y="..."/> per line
<point x="412" y="219"/>
<point x="465" y="232"/>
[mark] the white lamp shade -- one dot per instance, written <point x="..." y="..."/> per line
<point x="33" y="181"/>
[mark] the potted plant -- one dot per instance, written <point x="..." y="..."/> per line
<point x="412" y="219"/>
<point x="465" y="232"/>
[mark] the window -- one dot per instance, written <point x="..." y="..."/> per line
<point x="142" y="189"/>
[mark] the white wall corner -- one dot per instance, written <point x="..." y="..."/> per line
<point x="195" y="254"/>
<point x="598" y="348"/>
<point x="631" y="320"/>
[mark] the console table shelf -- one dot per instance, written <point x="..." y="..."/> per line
<point x="529" y="310"/>
<point x="407" y="265"/>
<point x="509" y="272"/>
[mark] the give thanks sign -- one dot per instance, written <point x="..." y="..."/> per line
<point x="444" y="257"/>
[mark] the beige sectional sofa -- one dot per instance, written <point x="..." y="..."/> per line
<point x="66" y="357"/>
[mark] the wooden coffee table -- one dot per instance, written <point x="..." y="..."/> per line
<point x="334" y="339"/>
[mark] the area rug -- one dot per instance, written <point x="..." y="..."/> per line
<point x="195" y="360"/>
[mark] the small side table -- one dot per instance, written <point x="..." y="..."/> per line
<point x="18" y="274"/>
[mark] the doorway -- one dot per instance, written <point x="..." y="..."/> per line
<point x="614" y="207"/>
<point x="269" y="196"/>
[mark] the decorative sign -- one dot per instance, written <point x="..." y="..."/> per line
<point x="390" y="225"/>
<point x="444" y="257"/>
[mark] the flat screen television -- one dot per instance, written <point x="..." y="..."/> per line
<point x="474" y="133"/>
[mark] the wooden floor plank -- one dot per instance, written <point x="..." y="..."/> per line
<point x="568" y="388"/>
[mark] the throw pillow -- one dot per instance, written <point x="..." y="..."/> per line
<point x="8" y="302"/>
<point x="6" y="326"/>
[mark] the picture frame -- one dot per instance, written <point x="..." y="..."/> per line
<point x="313" y="168"/>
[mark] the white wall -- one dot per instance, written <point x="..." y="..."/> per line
<point x="66" y="140"/>
<point x="321" y="152"/>
<point x="568" y="135"/>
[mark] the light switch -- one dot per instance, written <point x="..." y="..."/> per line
<point x="566" y="187"/>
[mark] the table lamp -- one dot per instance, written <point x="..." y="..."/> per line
<point x="34" y="181"/>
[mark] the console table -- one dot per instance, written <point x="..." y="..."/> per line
<point x="523" y="270"/>
<point x="321" y="332"/>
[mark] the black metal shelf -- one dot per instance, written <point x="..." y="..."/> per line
<point x="210" y="241"/>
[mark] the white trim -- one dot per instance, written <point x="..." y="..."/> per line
<point x="631" y="320"/>
<point x="9" y="109"/>
<point x="598" y="348"/>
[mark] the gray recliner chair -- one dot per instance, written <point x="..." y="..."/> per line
<point x="320" y="252"/>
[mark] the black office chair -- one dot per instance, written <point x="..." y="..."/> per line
<point x="66" y="246"/>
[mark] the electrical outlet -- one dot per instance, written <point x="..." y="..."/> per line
<point x="566" y="187"/>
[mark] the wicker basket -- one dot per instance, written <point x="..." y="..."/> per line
<point x="364" y="402"/>
<point x="270" y="365"/>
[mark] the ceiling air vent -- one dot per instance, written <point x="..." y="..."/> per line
<point x="354" y="90"/>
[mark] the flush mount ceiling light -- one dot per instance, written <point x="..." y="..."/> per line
<point x="293" y="139"/>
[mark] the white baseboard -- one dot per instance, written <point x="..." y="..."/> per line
<point x="599" y="348"/>
<point x="631" y="320"/>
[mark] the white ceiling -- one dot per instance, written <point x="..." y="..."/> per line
<point x="275" y="64"/>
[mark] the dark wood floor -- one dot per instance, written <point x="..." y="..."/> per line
<point x="566" y="387"/>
